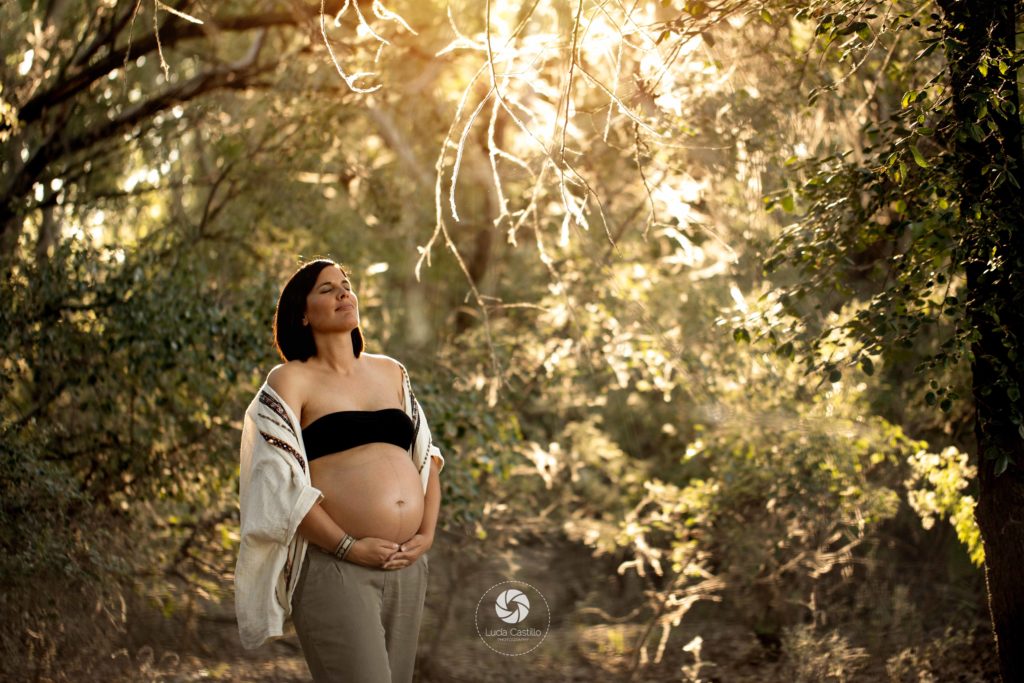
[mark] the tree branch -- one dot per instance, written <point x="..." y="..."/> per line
<point x="173" y="33"/>
<point x="228" y="76"/>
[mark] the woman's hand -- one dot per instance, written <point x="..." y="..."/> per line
<point x="371" y="552"/>
<point x="409" y="552"/>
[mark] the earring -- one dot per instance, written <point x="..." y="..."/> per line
<point x="304" y="322"/>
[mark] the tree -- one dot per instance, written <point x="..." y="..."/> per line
<point x="936" y="204"/>
<point x="65" y="121"/>
<point x="984" y="63"/>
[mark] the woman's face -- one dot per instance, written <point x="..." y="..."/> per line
<point x="332" y="305"/>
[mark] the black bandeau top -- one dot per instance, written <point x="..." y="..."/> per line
<point x="346" y="429"/>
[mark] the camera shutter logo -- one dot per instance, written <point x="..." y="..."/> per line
<point x="512" y="618"/>
<point x="512" y="606"/>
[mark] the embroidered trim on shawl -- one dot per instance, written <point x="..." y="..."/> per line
<point x="274" y="441"/>
<point x="416" y="422"/>
<point x="267" y="417"/>
<point x="275" y="405"/>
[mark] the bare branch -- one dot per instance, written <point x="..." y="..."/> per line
<point x="170" y="34"/>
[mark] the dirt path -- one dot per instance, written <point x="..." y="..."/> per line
<point x="576" y="647"/>
<point x="594" y="623"/>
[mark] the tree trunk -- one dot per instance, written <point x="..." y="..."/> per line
<point x="49" y="230"/>
<point x="994" y="263"/>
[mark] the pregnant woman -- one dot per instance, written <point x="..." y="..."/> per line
<point x="339" y="492"/>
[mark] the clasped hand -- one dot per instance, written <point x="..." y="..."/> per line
<point x="379" y="552"/>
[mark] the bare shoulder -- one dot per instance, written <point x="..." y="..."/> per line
<point x="390" y="365"/>
<point x="385" y="362"/>
<point x="288" y="380"/>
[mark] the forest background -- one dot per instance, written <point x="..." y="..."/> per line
<point x="728" y="294"/>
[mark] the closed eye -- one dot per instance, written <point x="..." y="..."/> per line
<point x="328" y="288"/>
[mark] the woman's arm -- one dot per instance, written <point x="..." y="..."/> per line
<point x="318" y="527"/>
<point x="431" y="504"/>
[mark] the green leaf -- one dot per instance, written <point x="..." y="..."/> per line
<point x="696" y="9"/>
<point x="788" y="203"/>
<point x="1001" y="464"/>
<point x="835" y="375"/>
<point x="740" y="334"/>
<point x="867" y="366"/>
<point x="927" y="51"/>
<point x="918" y="157"/>
<point x="929" y="398"/>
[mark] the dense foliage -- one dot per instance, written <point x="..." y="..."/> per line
<point x="697" y="272"/>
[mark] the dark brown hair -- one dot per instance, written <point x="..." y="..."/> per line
<point x="294" y="341"/>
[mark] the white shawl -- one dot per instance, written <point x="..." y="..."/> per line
<point x="275" y="494"/>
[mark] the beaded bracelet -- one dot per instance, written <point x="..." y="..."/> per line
<point x="344" y="545"/>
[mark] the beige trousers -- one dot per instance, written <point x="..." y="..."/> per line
<point x="357" y="624"/>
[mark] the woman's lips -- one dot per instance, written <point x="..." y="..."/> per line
<point x="346" y="307"/>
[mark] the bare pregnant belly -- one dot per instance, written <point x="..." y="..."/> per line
<point x="372" y="490"/>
